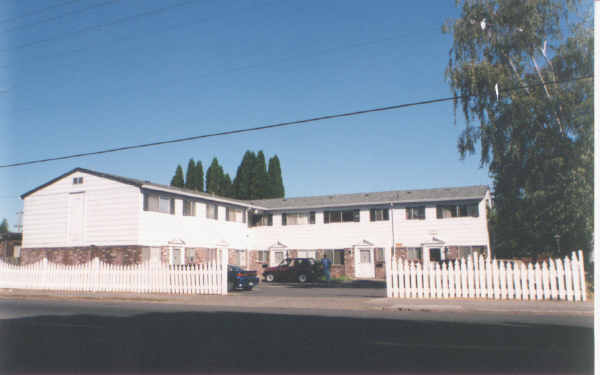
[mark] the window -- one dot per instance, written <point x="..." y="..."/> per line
<point x="212" y="211"/>
<point x="464" y="251"/>
<point x="379" y="255"/>
<point x="239" y="257"/>
<point x="234" y="214"/>
<point x="157" y="203"/>
<point x="189" y="208"/>
<point x="341" y="216"/>
<point x="414" y="253"/>
<point x="458" y="210"/>
<point x="415" y="213"/>
<point x="77" y="180"/>
<point x="261" y="220"/>
<point x="379" y="214"/>
<point x="306" y="254"/>
<point x="335" y="256"/>
<point x="262" y="256"/>
<point x="297" y="218"/>
<point x="190" y="255"/>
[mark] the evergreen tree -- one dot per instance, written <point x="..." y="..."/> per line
<point x="212" y="178"/>
<point x="259" y="182"/>
<point x="190" y="175"/>
<point x="199" y="176"/>
<point x="227" y="186"/>
<point x="177" y="180"/>
<point x="536" y="141"/>
<point x="276" y="189"/>
<point x="241" y="183"/>
<point x="4" y="226"/>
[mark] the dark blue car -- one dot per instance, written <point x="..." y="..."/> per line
<point x="240" y="279"/>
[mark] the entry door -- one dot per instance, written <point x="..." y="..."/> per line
<point x="76" y="218"/>
<point x="277" y="257"/>
<point x="365" y="266"/>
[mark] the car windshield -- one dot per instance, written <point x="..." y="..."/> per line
<point x="285" y="262"/>
<point x="234" y="268"/>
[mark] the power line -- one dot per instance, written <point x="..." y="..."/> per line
<point x="36" y="11"/>
<point x="61" y="16"/>
<point x="276" y="125"/>
<point x="88" y="29"/>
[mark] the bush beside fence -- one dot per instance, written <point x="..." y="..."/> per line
<point x="96" y="276"/>
<point x="476" y="277"/>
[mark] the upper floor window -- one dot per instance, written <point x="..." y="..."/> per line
<point x="260" y="220"/>
<point x="212" y="211"/>
<point x="298" y="218"/>
<point x="341" y="216"/>
<point x="77" y="180"/>
<point x="158" y="203"/>
<point x="379" y="214"/>
<point x="458" y="210"/>
<point x="189" y="207"/>
<point x="415" y="213"/>
<point x="235" y="214"/>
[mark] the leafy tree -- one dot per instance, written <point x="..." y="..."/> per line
<point x="4" y="226"/>
<point x="275" y="185"/>
<point x="536" y="140"/>
<point x="245" y="171"/>
<point x="190" y="175"/>
<point x="199" y="176"/>
<point x="259" y="182"/>
<point x="177" y="180"/>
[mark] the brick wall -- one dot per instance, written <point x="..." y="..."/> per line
<point x="124" y="255"/>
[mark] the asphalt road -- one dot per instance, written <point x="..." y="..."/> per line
<point x="94" y="337"/>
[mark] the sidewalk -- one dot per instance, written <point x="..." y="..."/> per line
<point x="240" y="300"/>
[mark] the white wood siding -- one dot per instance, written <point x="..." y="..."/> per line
<point x="410" y="233"/>
<point x="111" y="213"/>
<point x="195" y="231"/>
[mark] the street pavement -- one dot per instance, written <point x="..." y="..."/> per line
<point x="289" y="328"/>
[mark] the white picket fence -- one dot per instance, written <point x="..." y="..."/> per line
<point x="476" y="277"/>
<point x="97" y="276"/>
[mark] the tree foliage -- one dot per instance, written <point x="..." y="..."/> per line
<point x="199" y="177"/>
<point x="190" y="175"/>
<point x="276" y="189"/>
<point x="177" y="179"/>
<point x="4" y="226"/>
<point x="534" y="135"/>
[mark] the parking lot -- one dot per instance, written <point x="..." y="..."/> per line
<point x="366" y="289"/>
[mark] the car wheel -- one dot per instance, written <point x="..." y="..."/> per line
<point x="270" y="278"/>
<point x="302" y="278"/>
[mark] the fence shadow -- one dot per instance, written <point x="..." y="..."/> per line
<point x="226" y="342"/>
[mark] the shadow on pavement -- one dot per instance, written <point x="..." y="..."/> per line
<point x="261" y="343"/>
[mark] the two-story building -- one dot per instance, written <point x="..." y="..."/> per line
<point x="84" y="214"/>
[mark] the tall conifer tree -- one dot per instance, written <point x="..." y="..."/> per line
<point x="190" y="178"/>
<point x="276" y="189"/>
<point x="177" y="179"/>
<point x="241" y="183"/>
<point x="260" y="179"/>
<point x="199" y="176"/>
<point x="213" y="179"/>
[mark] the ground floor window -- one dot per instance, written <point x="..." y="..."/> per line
<point x="176" y="256"/>
<point x="414" y="253"/>
<point x="239" y="257"/>
<point x="335" y="256"/>
<point x="307" y="254"/>
<point x="379" y="255"/>
<point x="262" y="256"/>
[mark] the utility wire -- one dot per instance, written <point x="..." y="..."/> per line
<point x="36" y="11"/>
<point x="276" y="125"/>
<point x="88" y="29"/>
<point x="61" y="16"/>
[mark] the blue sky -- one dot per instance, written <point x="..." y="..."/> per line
<point x="204" y="66"/>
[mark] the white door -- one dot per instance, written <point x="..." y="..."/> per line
<point x="76" y="206"/>
<point x="155" y="254"/>
<point x="177" y="256"/>
<point x="365" y="266"/>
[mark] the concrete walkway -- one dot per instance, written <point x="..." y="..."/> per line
<point x="326" y="302"/>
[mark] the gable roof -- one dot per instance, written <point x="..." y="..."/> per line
<point x="476" y="192"/>
<point x="385" y="197"/>
<point x="140" y="184"/>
